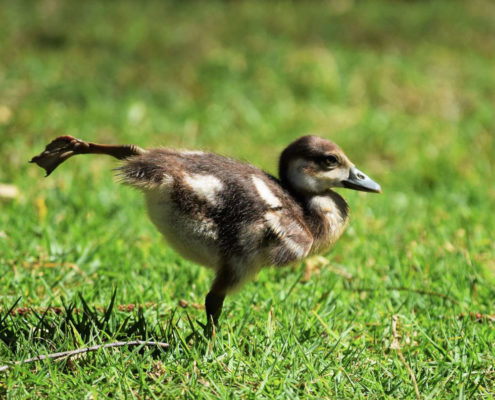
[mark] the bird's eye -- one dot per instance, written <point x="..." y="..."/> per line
<point x="329" y="161"/>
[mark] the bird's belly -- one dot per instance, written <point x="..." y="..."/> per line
<point x="193" y="237"/>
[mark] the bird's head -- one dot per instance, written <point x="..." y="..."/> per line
<point x="312" y="165"/>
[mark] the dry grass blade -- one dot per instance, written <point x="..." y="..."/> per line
<point x="395" y="345"/>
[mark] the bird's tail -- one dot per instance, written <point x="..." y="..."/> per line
<point x="64" y="147"/>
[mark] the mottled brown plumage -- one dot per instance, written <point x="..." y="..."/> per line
<point x="231" y="216"/>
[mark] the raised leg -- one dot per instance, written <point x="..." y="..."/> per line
<point x="64" y="147"/>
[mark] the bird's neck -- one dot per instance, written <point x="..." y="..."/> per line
<point x="326" y="216"/>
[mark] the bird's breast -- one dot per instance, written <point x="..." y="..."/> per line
<point x="193" y="236"/>
<point x="327" y="217"/>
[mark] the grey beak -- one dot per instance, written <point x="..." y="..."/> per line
<point x="359" y="181"/>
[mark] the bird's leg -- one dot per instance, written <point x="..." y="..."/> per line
<point x="213" y="306"/>
<point x="224" y="281"/>
<point x="64" y="147"/>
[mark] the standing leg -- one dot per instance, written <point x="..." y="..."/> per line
<point x="213" y="306"/>
<point x="225" y="280"/>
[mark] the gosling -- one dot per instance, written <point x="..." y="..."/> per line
<point x="231" y="216"/>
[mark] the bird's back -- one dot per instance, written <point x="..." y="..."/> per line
<point x="215" y="210"/>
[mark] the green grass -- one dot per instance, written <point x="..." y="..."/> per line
<point x="405" y="88"/>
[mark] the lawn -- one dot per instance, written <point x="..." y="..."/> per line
<point x="402" y="307"/>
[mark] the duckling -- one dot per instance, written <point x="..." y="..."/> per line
<point x="231" y="216"/>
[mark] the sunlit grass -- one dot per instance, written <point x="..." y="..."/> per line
<point x="405" y="88"/>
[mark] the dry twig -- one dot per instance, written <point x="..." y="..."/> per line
<point x="71" y="353"/>
<point x="405" y="289"/>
